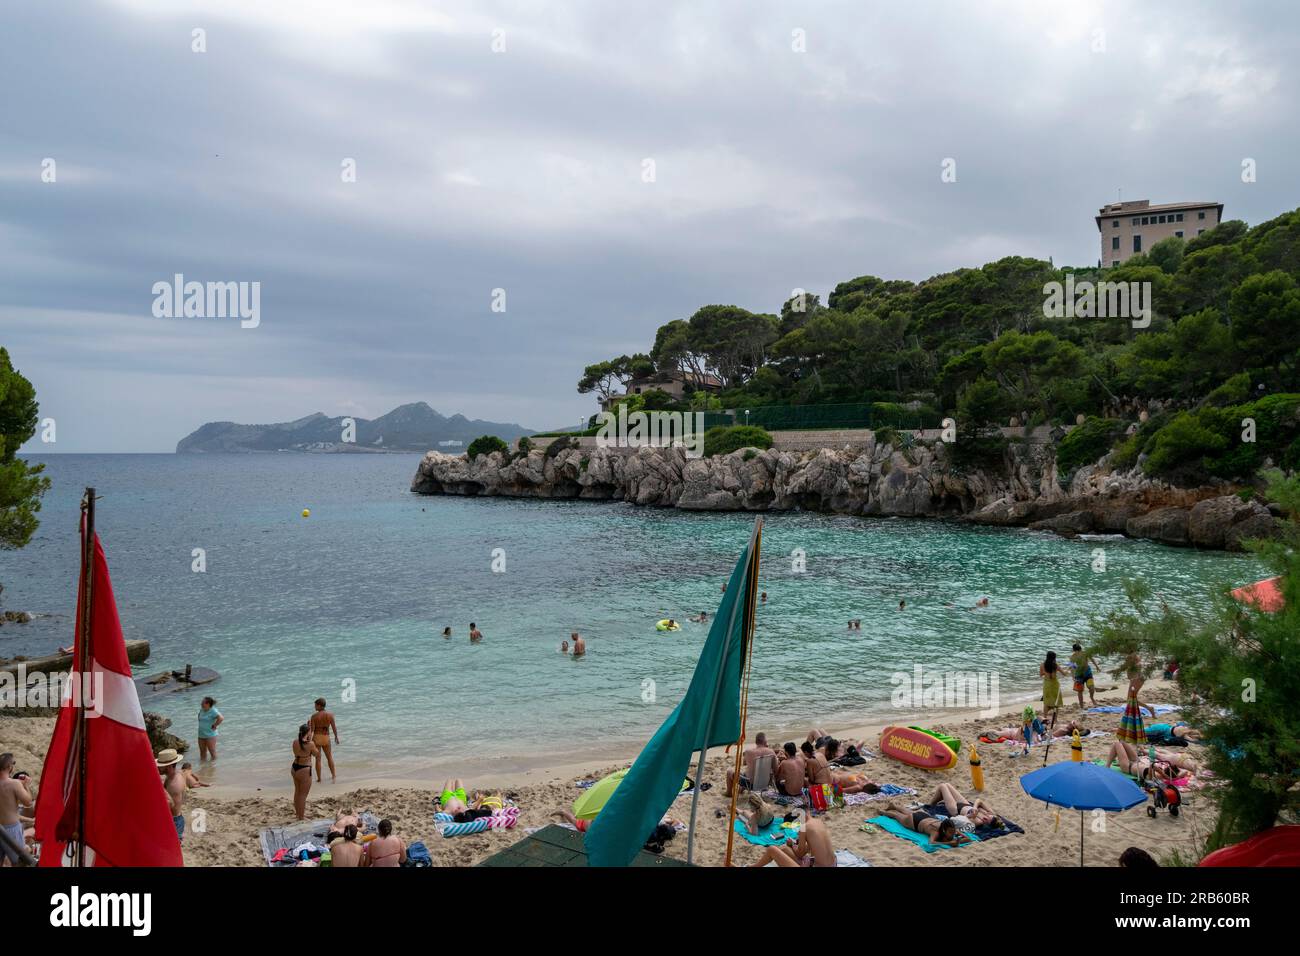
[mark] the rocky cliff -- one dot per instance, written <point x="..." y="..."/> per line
<point x="876" y="479"/>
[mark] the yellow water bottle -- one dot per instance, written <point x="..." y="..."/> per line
<point x="1076" y="748"/>
<point x="976" y="771"/>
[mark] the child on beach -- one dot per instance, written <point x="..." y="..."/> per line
<point x="1083" y="675"/>
<point x="191" y="778"/>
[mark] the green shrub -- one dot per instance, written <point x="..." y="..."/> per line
<point x="887" y="436"/>
<point x="721" y="440"/>
<point x="749" y="455"/>
<point x="485" y="445"/>
<point x="1085" y="444"/>
<point x="1208" y="443"/>
<point x="557" y="446"/>
<point x="525" y="445"/>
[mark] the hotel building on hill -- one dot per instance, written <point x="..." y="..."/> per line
<point x="1129" y="228"/>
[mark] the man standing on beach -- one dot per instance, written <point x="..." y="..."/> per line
<point x="174" y="784"/>
<point x="579" y="645"/>
<point x="13" y="796"/>
<point x="475" y="635"/>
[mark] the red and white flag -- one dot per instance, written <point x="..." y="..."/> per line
<point x="128" y="820"/>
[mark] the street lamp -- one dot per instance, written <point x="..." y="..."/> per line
<point x="747" y="416"/>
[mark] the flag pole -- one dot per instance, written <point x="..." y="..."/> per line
<point x="722" y="668"/>
<point x="85" y="655"/>
<point x="748" y="623"/>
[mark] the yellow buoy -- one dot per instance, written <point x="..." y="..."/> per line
<point x="1076" y="748"/>
<point x="976" y="771"/>
<point x="306" y="513"/>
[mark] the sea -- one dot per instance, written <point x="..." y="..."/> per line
<point x="350" y="603"/>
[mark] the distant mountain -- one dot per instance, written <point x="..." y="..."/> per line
<point x="413" y="427"/>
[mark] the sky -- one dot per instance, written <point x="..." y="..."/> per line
<point x="597" y="169"/>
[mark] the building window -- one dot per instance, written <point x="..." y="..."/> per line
<point x="1114" y="242"/>
<point x="1137" y="243"/>
<point x="1134" y="222"/>
<point x="1199" y="231"/>
<point x="1200" y="215"/>
<point x="1179" y="233"/>
<point x="1179" y="217"/>
<point x="1114" y="224"/>
<point x="1114" y="263"/>
<point x="1146" y="220"/>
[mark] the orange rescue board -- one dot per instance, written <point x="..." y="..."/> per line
<point x="916" y="749"/>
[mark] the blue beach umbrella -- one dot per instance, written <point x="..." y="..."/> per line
<point x="1082" y="786"/>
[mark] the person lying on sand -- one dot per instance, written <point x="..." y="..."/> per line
<point x="1140" y="766"/>
<point x="1162" y="733"/>
<point x="453" y="798"/>
<point x="846" y="781"/>
<point x="790" y="770"/>
<point x="813" y="848"/>
<point x="977" y="812"/>
<point x="939" y="831"/>
<point x="191" y="778"/>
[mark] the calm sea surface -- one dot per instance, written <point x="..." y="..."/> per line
<point x="357" y="595"/>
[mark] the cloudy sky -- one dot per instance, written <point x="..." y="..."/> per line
<point x="503" y="146"/>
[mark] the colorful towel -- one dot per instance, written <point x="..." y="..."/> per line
<point x="500" y="820"/>
<point x="775" y="835"/>
<point x="920" y="839"/>
<point x="846" y="858"/>
<point x="887" y="791"/>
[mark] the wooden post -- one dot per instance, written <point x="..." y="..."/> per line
<point x="85" y="660"/>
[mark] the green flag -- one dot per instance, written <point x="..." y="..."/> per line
<point x="708" y="716"/>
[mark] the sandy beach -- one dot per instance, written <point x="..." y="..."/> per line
<point x="232" y="817"/>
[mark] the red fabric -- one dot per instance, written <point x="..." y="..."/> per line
<point x="1265" y="595"/>
<point x="128" y="816"/>
<point x="1279" y="846"/>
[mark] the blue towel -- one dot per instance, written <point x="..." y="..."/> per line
<point x="920" y="839"/>
<point x="774" y="835"/>
<point x="1148" y="710"/>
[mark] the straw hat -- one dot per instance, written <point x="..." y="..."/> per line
<point x="167" y="758"/>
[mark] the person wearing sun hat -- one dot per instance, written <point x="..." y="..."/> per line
<point x="168" y="762"/>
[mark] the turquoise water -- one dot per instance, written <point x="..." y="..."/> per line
<point x="291" y="608"/>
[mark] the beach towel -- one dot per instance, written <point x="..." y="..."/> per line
<point x="1149" y="710"/>
<point x="500" y="820"/>
<point x="847" y="858"/>
<point x="887" y="791"/>
<point x="774" y="834"/>
<point x="920" y="839"/>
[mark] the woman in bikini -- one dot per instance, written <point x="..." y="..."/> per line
<point x="385" y="849"/>
<point x="977" y="812"/>
<point x="322" y="722"/>
<point x="300" y="770"/>
<point x="939" y="831"/>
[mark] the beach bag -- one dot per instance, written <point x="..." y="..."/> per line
<point x="417" y="854"/>
<point x="823" y="796"/>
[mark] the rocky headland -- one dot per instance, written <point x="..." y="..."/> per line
<point x="875" y="478"/>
